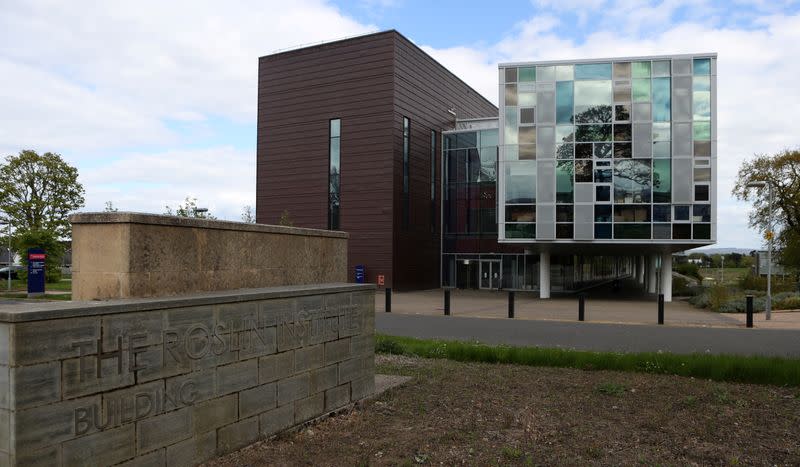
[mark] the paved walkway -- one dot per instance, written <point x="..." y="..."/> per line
<point x="594" y="336"/>
<point x="602" y="306"/>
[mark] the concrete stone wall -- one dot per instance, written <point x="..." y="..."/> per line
<point x="122" y="255"/>
<point x="177" y="381"/>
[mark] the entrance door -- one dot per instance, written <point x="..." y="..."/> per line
<point x="491" y="274"/>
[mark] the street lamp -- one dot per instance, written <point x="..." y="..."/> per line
<point x="769" y="242"/>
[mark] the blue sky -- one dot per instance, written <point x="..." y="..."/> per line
<point x="155" y="101"/>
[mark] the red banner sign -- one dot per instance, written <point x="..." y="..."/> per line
<point x="36" y="257"/>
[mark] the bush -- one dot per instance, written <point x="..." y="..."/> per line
<point x="689" y="269"/>
<point x="759" y="283"/>
<point x="717" y="296"/>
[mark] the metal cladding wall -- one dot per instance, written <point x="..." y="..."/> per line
<point x="370" y="83"/>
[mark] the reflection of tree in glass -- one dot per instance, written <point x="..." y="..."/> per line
<point x="632" y="178"/>
<point x="593" y="133"/>
<point x="564" y="151"/>
<point x="594" y="114"/>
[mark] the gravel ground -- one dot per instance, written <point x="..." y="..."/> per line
<point x="480" y="414"/>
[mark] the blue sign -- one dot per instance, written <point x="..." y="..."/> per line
<point x="361" y="273"/>
<point x="36" y="257"/>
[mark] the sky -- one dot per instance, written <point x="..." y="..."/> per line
<point x="155" y="101"/>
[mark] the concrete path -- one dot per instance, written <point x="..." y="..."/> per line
<point x="594" y="336"/>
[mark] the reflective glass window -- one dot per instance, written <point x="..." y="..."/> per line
<point x="701" y="192"/>
<point x="583" y="151"/>
<point x="527" y="151"/>
<point x="527" y="135"/>
<point x="586" y="133"/>
<point x="661" y="100"/>
<point x="602" y="150"/>
<point x="511" y="94"/>
<point x="622" y="70"/>
<point x="701" y="231"/>
<point x="590" y="95"/>
<point x="662" y="181"/>
<point x="701" y="105"/>
<point x="622" y="112"/>
<point x="631" y="213"/>
<point x="334" y="175"/>
<point x="701" y="83"/>
<point x="662" y="213"/>
<point x="602" y="175"/>
<point x="564" y="230"/>
<point x="511" y="75"/>
<point x="702" y="66"/>
<point x="632" y="181"/>
<point x="527" y="74"/>
<point x="641" y="90"/>
<point x="488" y="138"/>
<point x="661" y="68"/>
<point x="564" y="102"/>
<point x="520" y="230"/>
<point x="520" y="182"/>
<point x="521" y="213"/>
<point x="661" y="131"/>
<point x="622" y="132"/>
<point x="641" y="69"/>
<point x="701" y="213"/>
<point x="623" y="150"/>
<point x="632" y="231"/>
<point x="564" y="184"/>
<point x="565" y="151"/>
<point x="662" y="149"/>
<point x="681" y="231"/>
<point x="545" y="73"/>
<point x="564" y="214"/>
<point x="701" y="130"/>
<point x="603" y="193"/>
<point x="564" y="133"/>
<point x="593" y="71"/>
<point x="622" y="93"/>
<point x="527" y="116"/>
<point x="565" y="73"/>
<point x="511" y="125"/>
<point x="681" y="213"/>
<point x="702" y="174"/>
<point x="602" y="213"/>
<point x="583" y="171"/>
<point x="662" y="231"/>
<point x="602" y="231"/>
<point x="702" y="149"/>
<point x="526" y="99"/>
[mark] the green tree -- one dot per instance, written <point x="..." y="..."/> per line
<point x="782" y="172"/>
<point x="110" y="207"/>
<point x="248" y="215"/>
<point x="38" y="192"/>
<point x="48" y="242"/>
<point x="188" y="209"/>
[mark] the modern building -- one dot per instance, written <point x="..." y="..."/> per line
<point x="589" y="169"/>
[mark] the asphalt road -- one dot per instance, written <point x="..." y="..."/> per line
<point x="594" y="336"/>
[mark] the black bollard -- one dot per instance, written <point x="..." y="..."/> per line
<point x="581" y="307"/>
<point x="447" y="302"/>
<point x="388" y="293"/>
<point x="661" y="308"/>
<point x="511" y="304"/>
<point x="749" y="311"/>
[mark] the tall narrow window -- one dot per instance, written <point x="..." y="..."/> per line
<point x="406" y="149"/>
<point x="334" y="174"/>
<point x="433" y="180"/>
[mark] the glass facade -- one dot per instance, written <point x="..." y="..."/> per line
<point x="406" y="149"/>
<point x="631" y="139"/>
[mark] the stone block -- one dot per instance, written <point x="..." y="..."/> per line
<point x="337" y="351"/>
<point x="163" y="430"/>
<point x="136" y="402"/>
<point x="5" y="334"/>
<point x="308" y="358"/>
<point x="215" y="413"/>
<point x="151" y="459"/>
<point x="55" y="423"/>
<point x="309" y="408"/>
<point x="362" y="387"/>
<point x="80" y="377"/>
<point x="47" y="457"/>
<point x="276" y="420"/>
<point x="136" y="329"/>
<point x="34" y="385"/>
<point x="237" y="435"/>
<point x="338" y="397"/>
<point x="237" y="376"/>
<point x="355" y="368"/>
<point x="323" y="378"/>
<point x="258" y="399"/>
<point x="107" y="447"/>
<point x="5" y="430"/>
<point x="5" y="386"/>
<point x="193" y="387"/>
<point x="194" y="450"/>
<point x="269" y="311"/>
<point x="49" y="340"/>
<point x="362" y="346"/>
<point x="292" y="389"/>
<point x="274" y="367"/>
<point x="257" y="342"/>
<point x="158" y="363"/>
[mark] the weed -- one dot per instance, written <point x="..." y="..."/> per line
<point x="722" y="396"/>
<point x="610" y="389"/>
<point x="511" y="452"/>
<point x="690" y="401"/>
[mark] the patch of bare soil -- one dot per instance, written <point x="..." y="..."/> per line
<point x="479" y="414"/>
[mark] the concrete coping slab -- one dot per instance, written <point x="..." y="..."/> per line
<point x="175" y="221"/>
<point x="27" y="311"/>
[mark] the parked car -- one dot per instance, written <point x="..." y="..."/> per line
<point x="13" y="270"/>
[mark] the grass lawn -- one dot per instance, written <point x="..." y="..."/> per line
<point x="19" y="285"/>
<point x="454" y="413"/>
<point x="732" y="275"/>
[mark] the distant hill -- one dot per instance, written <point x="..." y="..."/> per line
<point x="721" y="251"/>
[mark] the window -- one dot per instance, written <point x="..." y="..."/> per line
<point x="406" y="148"/>
<point x="433" y="180"/>
<point x="334" y="177"/>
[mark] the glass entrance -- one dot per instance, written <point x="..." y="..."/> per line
<point x="491" y="274"/>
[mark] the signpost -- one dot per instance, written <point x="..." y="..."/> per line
<point x="36" y="257"/>
<point x="361" y="272"/>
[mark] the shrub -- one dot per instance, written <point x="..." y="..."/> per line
<point x="717" y="296"/>
<point x="689" y="269"/>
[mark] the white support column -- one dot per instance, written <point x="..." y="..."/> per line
<point x="640" y="269"/>
<point x="666" y="276"/>
<point x="544" y="275"/>
<point x="651" y="273"/>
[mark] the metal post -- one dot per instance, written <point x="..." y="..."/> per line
<point x="388" y="293"/>
<point x="769" y="256"/>
<point x="581" y="306"/>
<point x="749" y="311"/>
<point x="511" y="304"/>
<point x="447" y="302"/>
<point x="661" y="308"/>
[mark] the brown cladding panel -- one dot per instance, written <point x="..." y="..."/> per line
<point x="299" y="92"/>
<point x="424" y="92"/>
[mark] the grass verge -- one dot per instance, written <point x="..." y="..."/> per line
<point x="21" y="295"/>
<point x="752" y="369"/>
